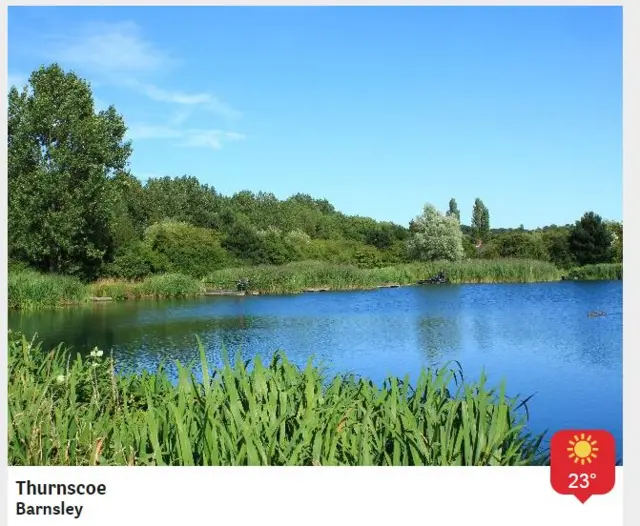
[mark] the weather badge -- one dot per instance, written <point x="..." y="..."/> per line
<point x="583" y="463"/>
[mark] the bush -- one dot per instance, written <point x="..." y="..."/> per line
<point x="187" y="249"/>
<point x="525" y="245"/>
<point x="136" y="262"/>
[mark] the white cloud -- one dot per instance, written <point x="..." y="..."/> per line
<point x="189" y="138"/>
<point x="202" y="100"/>
<point x="118" y="54"/>
<point x="213" y="139"/>
<point x="117" y="48"/>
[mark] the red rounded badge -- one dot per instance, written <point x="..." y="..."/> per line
<point x="583" y="463"/>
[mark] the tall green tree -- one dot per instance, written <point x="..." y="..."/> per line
<point x="590" y="240"/>
<point x="615" y="227"/>
<point x="480" y="225"/>
<point x="436" y="236"/>
<point x="453" y="209"/>
<point x="61" y="157"/>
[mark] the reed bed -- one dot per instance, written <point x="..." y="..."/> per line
<point x="602" y="271"/>
<point x="295" y="277"/>
<point x="65" y="411"/>
<point x="30" y="290"/>
<point x="161" y="286"/>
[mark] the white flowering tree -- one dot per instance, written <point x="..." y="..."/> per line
<point x="435" y="236"/>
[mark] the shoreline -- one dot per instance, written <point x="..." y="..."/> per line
<point x="30" y="290"/>
<point x="311" y="290"/>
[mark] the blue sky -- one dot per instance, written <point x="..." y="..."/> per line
<point x="379" y="110"/>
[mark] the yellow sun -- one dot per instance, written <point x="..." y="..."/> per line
<point x="582" y="449"/>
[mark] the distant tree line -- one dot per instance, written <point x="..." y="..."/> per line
<point x="75" y="208"/>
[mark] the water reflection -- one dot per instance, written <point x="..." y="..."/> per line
<point x="537" y="337"/>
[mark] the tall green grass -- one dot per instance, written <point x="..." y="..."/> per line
<point x="160" y="286"/>
<point x="602" y="271"/>
<point x="29" y="289"/>
<point x="295" y="277"/>
<point x="79" y="412"/>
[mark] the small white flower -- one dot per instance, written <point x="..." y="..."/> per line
<point x="96" y="353"/>
<point x="94" y="364"/>
<point x="60" y="378"/>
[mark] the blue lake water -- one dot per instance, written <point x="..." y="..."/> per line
<point x="536" y="337"/>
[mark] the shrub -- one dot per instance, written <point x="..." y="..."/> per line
<point x="187" y="249"/>
<point x="136" y="262"/>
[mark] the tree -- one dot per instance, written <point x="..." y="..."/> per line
<point x="60" y="160"/>
<point x="556" y="240"/>
<point x="185" y="248"/>
<point x="518" y="244"/>
<point x="435" y="237"/>
<point x="453" y="209"/>
<point x="480" y="222"/>
<point x="616" y="230"/>
<point x="590" y="240"/>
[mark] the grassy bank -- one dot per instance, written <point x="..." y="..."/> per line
<point x="603" y="271"/>
<point x="295" y="277"/>
<point x="159" y="287"/>
<point x="77" y="412"/>
<point x="30" y="290"/>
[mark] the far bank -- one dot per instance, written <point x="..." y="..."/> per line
<point x="31" y="290"/>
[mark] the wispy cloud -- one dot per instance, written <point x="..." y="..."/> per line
<point x="119" y="54"/>
<point x="117" y="48"/>
<point x="213" y="139"/>
<point x="189" y="138"/>
<point x="202" y="100"/>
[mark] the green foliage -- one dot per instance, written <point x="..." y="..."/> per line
<point x="61" y="155"/>
<point x="601" y="271"/>
<point x="615" y="228"/>
<point x="29" y="289"/>
<point x="296" y="277"/>
<point x="590" y="240"/>
<point x="435" y="237"/>
<point x="181" y="199"/>
<point x="527" y="245"/>
<point x="480" y="224"/>
<point x="136" y="262"/>
<point x="278" y="414"/>
<point x="558" y="247"/>
<point x="185" y="248"/>
<point x="158" y="286"/>
<point x="244" y="242"/>
<point x="453" y="209"/>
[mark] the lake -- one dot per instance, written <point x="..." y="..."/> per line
<point x="537" y="337"/>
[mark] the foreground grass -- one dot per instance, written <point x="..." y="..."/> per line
<point x="74" y="412"/>
<point x="294" y="277"/>
<point x="603" y="271"/>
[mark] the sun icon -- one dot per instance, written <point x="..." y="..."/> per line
<point x="582" y="449"/>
